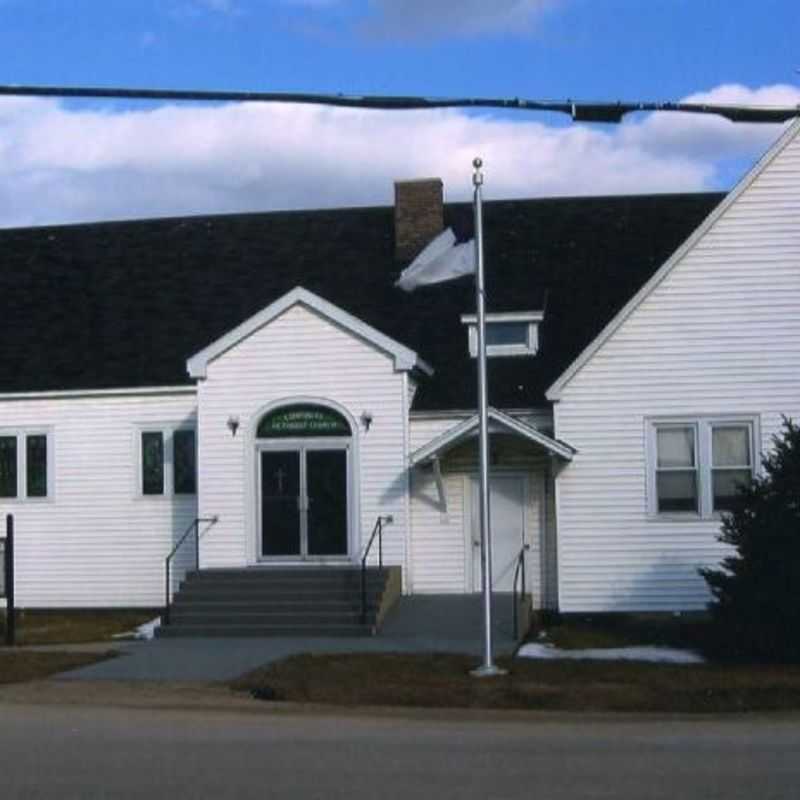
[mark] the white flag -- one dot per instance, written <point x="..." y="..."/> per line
<point x="442" y="260"/>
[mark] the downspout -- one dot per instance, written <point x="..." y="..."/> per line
<point x="556" y="506"/>
<point x="408" y="560"/>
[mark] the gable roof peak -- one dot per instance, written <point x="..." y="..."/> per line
<point x="788" y="136"/>
<point x="405" y="359"/>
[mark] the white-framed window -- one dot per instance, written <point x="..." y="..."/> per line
<point x="696" y="464"/>
<point x="732" y="461"/>
<point x="507" y="334"/>
<point x="26" y="464"/>
<point x="167" y="460"/>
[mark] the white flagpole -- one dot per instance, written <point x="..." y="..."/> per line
<point x="488" y="668"/>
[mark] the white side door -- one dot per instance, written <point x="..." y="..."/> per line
<point x="508" y="499"/>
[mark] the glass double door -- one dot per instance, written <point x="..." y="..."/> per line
<point x="304" y="502"/>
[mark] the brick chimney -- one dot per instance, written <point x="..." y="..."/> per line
<point x="418" y="215"/>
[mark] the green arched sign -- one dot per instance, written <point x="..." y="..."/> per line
<point x="302" y="420"/>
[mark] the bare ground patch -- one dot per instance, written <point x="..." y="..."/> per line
<point x="443" y="681"/>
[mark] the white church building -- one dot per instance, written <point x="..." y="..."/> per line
<point x="258" y="379"/>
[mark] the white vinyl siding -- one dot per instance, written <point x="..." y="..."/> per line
<point x="718" y="337"/>
<point x="300" y="356"/>
<point x="95" y="541"/>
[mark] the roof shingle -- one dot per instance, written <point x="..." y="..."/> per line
<point x="124" y="304"/>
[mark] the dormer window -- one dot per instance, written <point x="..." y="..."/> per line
<point x="513" y="333"/>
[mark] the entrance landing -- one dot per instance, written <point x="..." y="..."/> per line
<point x="448" y="617"/>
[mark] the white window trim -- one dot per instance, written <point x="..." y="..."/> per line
<point x="694" y="425"/>
<point x="703" y="424"/>
<point x="21" y="434"/>
<point x="167" y="430"/>
<point x="531" y="346"/>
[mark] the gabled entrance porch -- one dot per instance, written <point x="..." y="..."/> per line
<point x="445" y="520"/>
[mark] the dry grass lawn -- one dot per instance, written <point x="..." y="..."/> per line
<point x="691" y="631"/>
<point x="443" y="681"/>
<point x="73" y="627"/>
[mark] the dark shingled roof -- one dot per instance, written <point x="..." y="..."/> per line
<point x="124" y="304"/>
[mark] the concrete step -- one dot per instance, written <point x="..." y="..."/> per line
<point x="266" y="618"/>
<point x="288" y="590"/>
<point x="290" y="601"/>
<point x="292" y="569"/>
<point x="267" y="593"/>
<point x="295" y="606"/>
<point x="256" y="574"/>
<point x="251" y="631"/>
<point x="287" y="581"/>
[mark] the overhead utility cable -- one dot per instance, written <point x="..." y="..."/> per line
<point x="579" y="112"/>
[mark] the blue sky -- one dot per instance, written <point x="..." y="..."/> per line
<point x="78" y="161"/>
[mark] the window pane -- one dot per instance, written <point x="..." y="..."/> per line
<point x="36" y="453"/>
<point x="8" y="466"/>
<point x="731" y="446"/>
<point x="725" y="483"/>
<point x="152" y="463"/>
<point x="184" y="459"/>
<point x="675" y="447"/>
<point x="677" y="491"/>
<point x="507" y="333"/>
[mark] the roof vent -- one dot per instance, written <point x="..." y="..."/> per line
<point x="514" y="333"/>
<point x="418" y="215"/>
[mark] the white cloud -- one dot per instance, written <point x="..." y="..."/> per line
<point x="712" y="137"/>
<point x="412" y="18"/>
<point x="58" y="164"/>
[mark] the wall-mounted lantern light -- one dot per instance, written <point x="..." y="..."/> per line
<point x="233" y="425"/>
<point x="366" y="419"/>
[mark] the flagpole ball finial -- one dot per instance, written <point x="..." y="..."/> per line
<point x="477" y="176"/>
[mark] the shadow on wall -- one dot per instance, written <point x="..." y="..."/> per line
<point x="424" y="489"/>
<point x="184" y="510"/>
<point x="670" y="584"/>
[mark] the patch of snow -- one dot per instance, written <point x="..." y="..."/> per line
<point x="665" y="655"/>
<point x="145" y="631"/>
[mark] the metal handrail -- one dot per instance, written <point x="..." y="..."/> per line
<point x="519" y="571"/>
<point x="376" y="531"/>
<point x="7" y="569"/>
<point x="194" y="526"/>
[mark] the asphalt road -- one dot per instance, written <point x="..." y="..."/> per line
<point x="88" y="753"/>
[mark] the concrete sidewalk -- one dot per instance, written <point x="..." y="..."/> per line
<point x="418" y="624"/>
